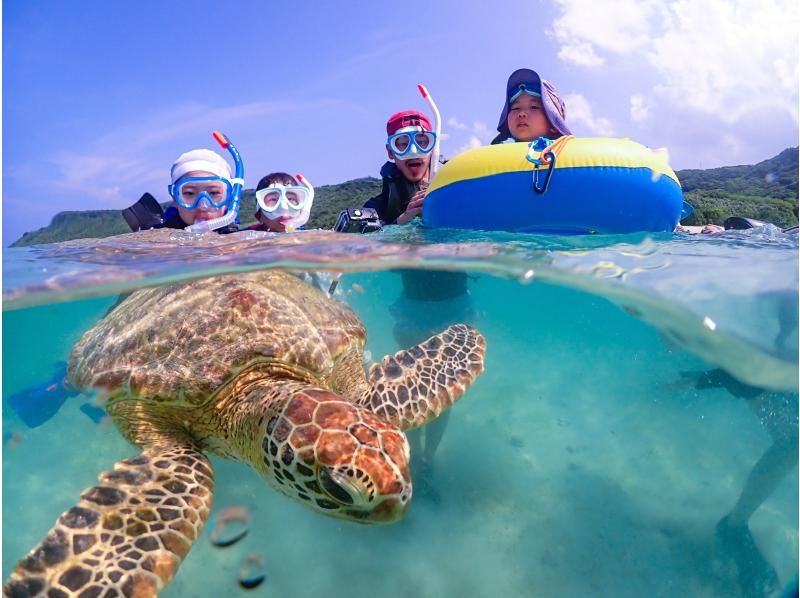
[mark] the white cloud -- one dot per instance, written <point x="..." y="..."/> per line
<point x="455" y="123"/>
<point x="100" y="178"/>
<point x="482" y="130"/>
<point x="735" y="70"/>
<point x="640" y="110"/>
<point x="186" y="119"/>
<point x="587" y="25"/>
<point x="471" y="144"/>
<point x="579" y="112"/>
<point x="470" y="136"/>
<point x="721" y="57"/>
<point x="580" y="53"/>
<point x="732" y="144"/>
<point x="115" y="166"/>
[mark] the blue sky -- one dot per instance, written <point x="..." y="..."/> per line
<point x="99" y="98"/>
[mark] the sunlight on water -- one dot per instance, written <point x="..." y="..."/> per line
<point x="588" y="460"/>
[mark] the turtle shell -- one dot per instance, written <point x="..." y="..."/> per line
<point x="183" y="342"/>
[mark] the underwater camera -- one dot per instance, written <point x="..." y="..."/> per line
<point x="357" y="220"/>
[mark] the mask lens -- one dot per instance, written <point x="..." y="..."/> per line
<point x="400" y="142"/>
<point x="214" y="193"/>
<point x="271" y="200"/>
<point x="423" y="140"/>
<point x="293" y="199"/>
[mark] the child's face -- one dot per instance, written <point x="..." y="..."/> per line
<point x="199" y="213"/>
<point x="527" y="120"/>
<point x="414" y="170"/>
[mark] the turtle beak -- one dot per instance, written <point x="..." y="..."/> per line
<point x="392" y="509"/>
<point x="366" y="498"/>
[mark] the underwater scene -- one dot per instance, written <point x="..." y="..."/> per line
<point x="623" y="412"/>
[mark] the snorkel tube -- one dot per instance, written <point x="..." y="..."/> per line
<point x="437" y="125"/>
<point x="238" y="184"/>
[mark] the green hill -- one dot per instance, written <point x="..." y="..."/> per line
<point x="329" y="200"/>
<point x="766" y="191"/>
<point x="76" y="225"/>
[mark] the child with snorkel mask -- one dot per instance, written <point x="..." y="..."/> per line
<point x="406" y="175"/>
<point x="205" y="192"/>
<point x="201" y="189"/>
<point x="283" y="205"/>
<point x="430" y="300"/>
<point x="283" y="202"/>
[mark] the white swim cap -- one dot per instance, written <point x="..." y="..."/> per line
<point x="202" y="160"/>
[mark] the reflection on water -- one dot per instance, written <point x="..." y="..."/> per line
<point x="597" y="454"/>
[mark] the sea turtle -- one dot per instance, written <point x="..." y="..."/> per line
<point x="260" y="368"/>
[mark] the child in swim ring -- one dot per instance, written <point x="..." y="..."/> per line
<point x="532" y="109"/>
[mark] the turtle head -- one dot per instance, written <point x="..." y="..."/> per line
<point x="337" y="458"/>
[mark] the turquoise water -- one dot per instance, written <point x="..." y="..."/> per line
<point x="579" y="464"/>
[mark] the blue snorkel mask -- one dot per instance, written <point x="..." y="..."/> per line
<point x="207" y="192"/>
<point x="411" y="142"/>
<point x="214" y="192"/>
<point x="523" y="88"/>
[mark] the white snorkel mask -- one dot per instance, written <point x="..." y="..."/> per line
<point x="295" y="201"/>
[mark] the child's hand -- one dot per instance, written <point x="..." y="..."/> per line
<point x="414" y="208"/>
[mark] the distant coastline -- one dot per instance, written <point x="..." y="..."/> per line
<point x="766" y="191"/>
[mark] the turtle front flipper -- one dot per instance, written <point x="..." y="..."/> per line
<point x="415" y="386"/>
<point x="128" y="534"/>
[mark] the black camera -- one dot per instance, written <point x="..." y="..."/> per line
<point x="357" y="220"/>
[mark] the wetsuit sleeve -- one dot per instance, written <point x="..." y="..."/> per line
<point x="172" y="219"/>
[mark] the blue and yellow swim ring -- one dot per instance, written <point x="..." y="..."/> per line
<point x="595" y="185"/>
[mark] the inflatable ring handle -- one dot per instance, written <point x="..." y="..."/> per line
<point x="548" y="157"/>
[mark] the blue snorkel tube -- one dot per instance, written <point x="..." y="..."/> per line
<point x="238" y="185"/>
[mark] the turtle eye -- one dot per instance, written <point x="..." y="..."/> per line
<point x="332" y="487"/>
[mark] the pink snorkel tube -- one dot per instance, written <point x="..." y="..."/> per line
<point x="437" y="126"/>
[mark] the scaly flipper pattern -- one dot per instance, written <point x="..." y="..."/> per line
<point x="415" y="386"/>
<point x="128" y="535"/>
